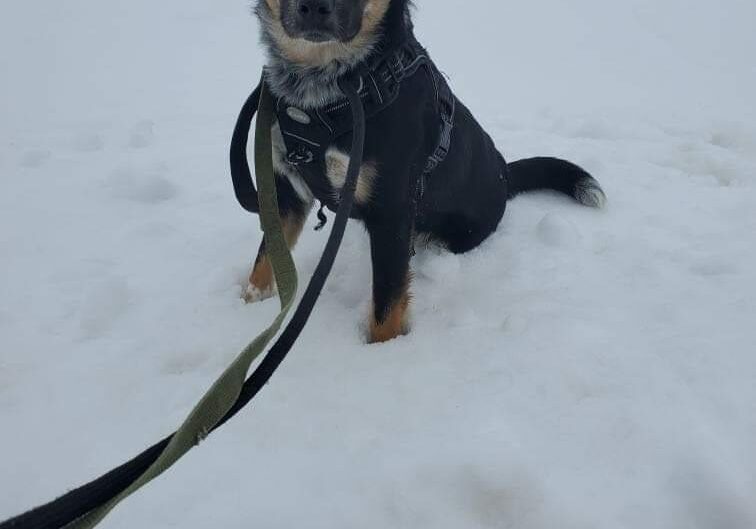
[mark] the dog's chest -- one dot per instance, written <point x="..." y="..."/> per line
<point x="322" y="179"/>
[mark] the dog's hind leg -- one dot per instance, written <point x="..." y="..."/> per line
<point x="294" y="213"/>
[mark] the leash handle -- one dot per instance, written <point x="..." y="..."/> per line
<point x="241" y="176"/>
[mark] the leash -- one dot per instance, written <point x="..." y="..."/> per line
<point x="88" y="505"/>
<point x="244" y="187"/>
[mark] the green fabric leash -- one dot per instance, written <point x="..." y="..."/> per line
<point x="87" y="505"/>
<point x="225" y="391"/>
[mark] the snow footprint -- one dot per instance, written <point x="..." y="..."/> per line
<point x="103" y="306"/>
<point x="723" y="156"/>
<point x="5" y="318"/>
<point x="513" y="497"/>
<point x="142" y="135"/>
<point x="736" y="137"/>
<point x="146" y="186"/>
<point x="184" y="362"/>
<point x="713" y="266"/>
<point x="89" y="142"/>
<point x="35" y="158"/>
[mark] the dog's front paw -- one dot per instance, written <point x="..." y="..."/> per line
<point x="383" y="334"/>
<point x="253" y="294"/>
<point x="393" y="324"/>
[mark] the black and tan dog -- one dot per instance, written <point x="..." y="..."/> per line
<point x="430" y="170"/>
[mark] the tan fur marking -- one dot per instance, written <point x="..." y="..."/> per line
<point x="394" y="325"/>
<point x="292" y="229"/>
<point x="275" y="8"/>
<point x="375" y="10"/>
<point x="261" y="277"/>
<point x="305" y="53"/>
<point x="337" y="164"/>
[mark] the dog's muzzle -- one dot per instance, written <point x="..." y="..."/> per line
<point x="315" y="20"/>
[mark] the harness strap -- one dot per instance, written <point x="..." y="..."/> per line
<point x="447" y="107"/>
<point x="307" y="134"/>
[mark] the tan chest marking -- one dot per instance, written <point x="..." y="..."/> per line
<point x="337" y="164"/>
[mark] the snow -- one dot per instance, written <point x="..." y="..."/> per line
<point x="582" y="369"/>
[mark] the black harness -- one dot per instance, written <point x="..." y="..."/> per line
<point x="307" y="134"/>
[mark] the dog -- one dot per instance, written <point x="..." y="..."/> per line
<point x="430" y="171"/>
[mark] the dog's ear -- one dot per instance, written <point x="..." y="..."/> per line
<point x="275" y="7"/>
<point x="267" y="9"/>
<point x="375" y="12"/>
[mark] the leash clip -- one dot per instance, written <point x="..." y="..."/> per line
<point x="301" y="156"/>
<point x="322" y="218"/>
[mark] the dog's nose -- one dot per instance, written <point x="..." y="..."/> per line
<point x="313" y="14"/>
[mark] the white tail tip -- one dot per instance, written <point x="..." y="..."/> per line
<point x="589" y="193"/>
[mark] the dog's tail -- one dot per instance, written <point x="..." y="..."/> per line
<point x="533" y="174"/>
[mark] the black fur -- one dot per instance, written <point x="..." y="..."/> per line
<point x="464" y="198"/>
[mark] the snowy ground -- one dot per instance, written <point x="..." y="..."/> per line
<point x="582" y="369"/>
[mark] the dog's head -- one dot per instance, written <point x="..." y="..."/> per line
<point x="315" y="33"/>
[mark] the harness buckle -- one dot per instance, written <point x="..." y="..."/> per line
<point x="396" y="67"/>
<point x="435" y="159"/>
<point x="448" y="116"/>
<point x="300" y="156"/>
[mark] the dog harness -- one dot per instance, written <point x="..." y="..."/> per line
<point x="307" y="134"/>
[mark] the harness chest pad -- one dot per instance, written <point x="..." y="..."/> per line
<point x="308" y="133"/>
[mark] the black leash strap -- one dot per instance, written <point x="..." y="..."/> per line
<point x="79" y="502"/>
<point x="241" y="177"/>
